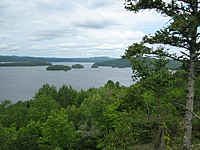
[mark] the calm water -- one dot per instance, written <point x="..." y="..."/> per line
<point x="21" y="83"/>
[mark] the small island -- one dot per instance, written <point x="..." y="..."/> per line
<point x="95" y="66"/>
<point x="77" y="66"/>
<point x="58" y="68"/>
<point x="116" y="63"/>
<point x="25" y="64"/>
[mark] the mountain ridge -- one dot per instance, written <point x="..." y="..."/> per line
<point x="51" y="59"/>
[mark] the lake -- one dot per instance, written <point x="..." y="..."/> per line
<point x="21" y="83"/>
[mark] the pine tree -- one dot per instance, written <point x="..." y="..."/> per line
<point x="182" y="32"/>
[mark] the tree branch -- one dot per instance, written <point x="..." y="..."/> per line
<point x="193" y="113"/>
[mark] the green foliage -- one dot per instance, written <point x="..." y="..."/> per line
<point x="47" y="90"/>
<point x="181" y="31"/>
<point x="8" y="137"/>
<point x="109" y="117"/>
<point x="15" y="116"/>
<point x="41" y="107"/>
<point x="58" y="132"/>
<point x="27" y="137"/>
<point x="67" y="96"/>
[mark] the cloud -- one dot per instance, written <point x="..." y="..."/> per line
<point x="3" y="46"/>
<point x="91" y="4"/>
<point x="63" y="28"/>
<point x="117" y="35"/>
<point x="95" y="24"/>
<point x="3" y="6"/>
<point x="53" y="34"/>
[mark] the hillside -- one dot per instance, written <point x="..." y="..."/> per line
<point x="123" y="63"/>
<point x="117" y="63"/>
<point x="46" y="59"/>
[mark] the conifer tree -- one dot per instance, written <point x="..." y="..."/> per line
<point x="182" y="31"/>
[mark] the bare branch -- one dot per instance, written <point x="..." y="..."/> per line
<point x="193" y="113"/>
<point x="185" y="54"/>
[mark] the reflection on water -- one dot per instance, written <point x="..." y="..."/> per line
<point x="20" y="83"/>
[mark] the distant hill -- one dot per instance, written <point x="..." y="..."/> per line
<point x="117" y="63"/>
<point x="44" y="59"/>
<point x="123" y="63"/>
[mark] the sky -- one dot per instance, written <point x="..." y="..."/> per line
<point x="72" y="29"/>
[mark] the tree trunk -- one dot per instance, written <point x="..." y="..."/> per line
<point x="161" y="134"/>
<point x="162" y="139"/>
<point x="189" y="105"/>
<point x="160" y="142"/>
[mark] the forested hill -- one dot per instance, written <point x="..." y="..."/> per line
<point x="44" y="59"/>
<point x="123" y="63"/>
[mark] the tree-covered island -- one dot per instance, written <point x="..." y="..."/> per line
<point x="58" y="68"/>
<point x="95" y="66"/>
<point x="77" y="66"/>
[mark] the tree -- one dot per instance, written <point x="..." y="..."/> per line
<point x="155" y="77"/>
<point x="41" y="107"/>
<point x="27" y="137"/>
<point x="67" y="96"/>
<point x="46" y="90"/>
<point x="58" y="132"/>
<point x="182" y="32"/>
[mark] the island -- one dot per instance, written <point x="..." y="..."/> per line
<point x="58" y="68"/>
<point x="95" y="66"/>
<point x="77" y="66"/>
<point x="25" y="64"/>
<point x="117" y="63"/>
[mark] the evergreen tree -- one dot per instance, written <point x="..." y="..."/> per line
<point x="182" y="32"/>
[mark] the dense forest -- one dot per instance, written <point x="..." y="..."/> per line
<point x="109" y="117"/>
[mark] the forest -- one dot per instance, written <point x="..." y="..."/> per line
<point x="109" y="117"/>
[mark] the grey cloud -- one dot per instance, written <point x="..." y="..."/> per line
<point x="95" y="24"/>
<point x="3" y="5"/>
<point x="53" y="34"/>
<point x="59" y="5"/>
<point x="95" y="4"/>
<point x="39" y="27"/>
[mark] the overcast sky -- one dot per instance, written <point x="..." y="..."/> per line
<point x="64" y="28"/>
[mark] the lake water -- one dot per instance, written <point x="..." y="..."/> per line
<point x="21" y="83"/>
